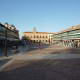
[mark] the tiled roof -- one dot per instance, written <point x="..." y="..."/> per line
<point x="66" y="30"/>
<point x="41" y="32"/>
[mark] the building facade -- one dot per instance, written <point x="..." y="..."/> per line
<point x="43" y="37"/>
<point x="9" y="30"/>
<point x="69" y="37"/>
<point x="9" y="36"/>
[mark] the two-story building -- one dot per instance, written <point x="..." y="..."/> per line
<point x="68" y="37"/>
<point x="43" y="37"/>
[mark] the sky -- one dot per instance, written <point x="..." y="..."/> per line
<point x="45" y="15"/>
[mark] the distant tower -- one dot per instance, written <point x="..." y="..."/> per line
<point x="34" y="29"/>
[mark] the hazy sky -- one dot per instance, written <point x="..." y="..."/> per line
<point x="45" y="15"/>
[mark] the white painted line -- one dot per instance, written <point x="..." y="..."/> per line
<point x="5" y="65"/>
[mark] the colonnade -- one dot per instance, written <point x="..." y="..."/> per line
<point x="68" y="43"/>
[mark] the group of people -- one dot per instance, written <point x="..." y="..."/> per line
<point x="73" y="44"/>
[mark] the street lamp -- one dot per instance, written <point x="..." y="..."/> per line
<point x="5" y="48"/>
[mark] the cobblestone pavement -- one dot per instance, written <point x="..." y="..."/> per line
<point x="53" y="63"/>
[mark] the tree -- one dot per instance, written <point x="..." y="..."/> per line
<point x="25" y="38"/>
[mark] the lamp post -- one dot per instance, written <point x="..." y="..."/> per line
<point x="5" y="46"/>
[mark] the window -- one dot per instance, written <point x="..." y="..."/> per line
<point x="37" y="36"/>
<point x="46" y="36"/>
<point x="39" y="40"/>
<point x="31" y="36"/>
<point x="34" y="36"/>
<point x="34" y="40"/>
<point x="2" y="29"/>
<point x="43" y="36"/>
<point x="40" y="36"/>
<point x="46" y="40"/>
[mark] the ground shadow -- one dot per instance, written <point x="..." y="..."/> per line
<point x="67" y="50"/>
<point x="44" y="70"/>
<point x="4" y="61"/>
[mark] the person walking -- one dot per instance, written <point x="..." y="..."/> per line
<point x="40" y="46"/>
